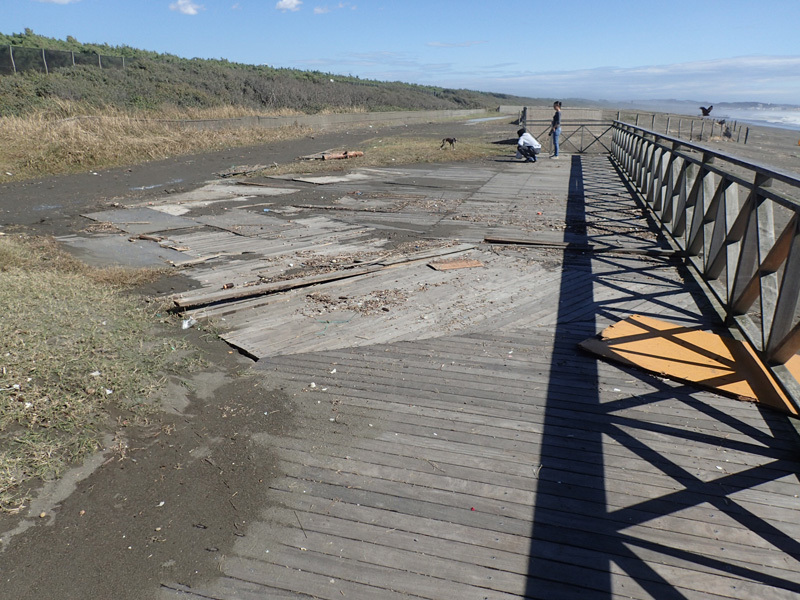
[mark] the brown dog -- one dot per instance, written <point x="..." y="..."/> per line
<point x="451" y="141"/>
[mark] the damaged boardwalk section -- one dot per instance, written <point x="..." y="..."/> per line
<point x="449" y="438"/>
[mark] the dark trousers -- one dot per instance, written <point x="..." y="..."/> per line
<point x="528" y="152"/>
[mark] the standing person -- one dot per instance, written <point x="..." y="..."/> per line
<point x="555" y="127"/>
<point x="527" y="146"/>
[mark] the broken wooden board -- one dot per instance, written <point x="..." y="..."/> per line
<point x="228" y="294"/>
<point x="456" y="263"/>
<point x="326" y="179"/>
<point x="581" y="247"/>
<point x="204" y="297"/>
<point x="141" y="220"/>
<point x="690" y="355"/>
<point x="242" y="170"/>
<point x="332" y="155"/>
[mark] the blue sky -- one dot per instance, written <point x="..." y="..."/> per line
<point x="701" y="50"/>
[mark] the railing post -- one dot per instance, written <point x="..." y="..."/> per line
<point x="744" y="249"/>
<point x="784" y="341"/>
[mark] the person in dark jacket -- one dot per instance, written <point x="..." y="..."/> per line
<point x="555" y="127"/>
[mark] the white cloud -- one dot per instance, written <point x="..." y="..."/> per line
<point x="292" y="5"/>
<point x="322" y="10"/>
<point x="742" y="79"/>
<point x="774" y="79"/>
<point x="58" y="1"/>
<point x="186" y="7"/>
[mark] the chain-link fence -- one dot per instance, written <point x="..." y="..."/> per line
<point x="16" y="59"/>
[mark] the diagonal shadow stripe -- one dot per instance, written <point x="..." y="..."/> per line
<point x="709" y="562"/>
<point x="708" y="491"/>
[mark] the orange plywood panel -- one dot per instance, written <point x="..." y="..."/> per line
<point x="692" y="355"/>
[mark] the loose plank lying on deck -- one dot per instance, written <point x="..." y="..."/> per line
<point x="585" y="247"/>
<point x="186" y="301"/>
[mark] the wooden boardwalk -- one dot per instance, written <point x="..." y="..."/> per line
<point x="483" y="456"/>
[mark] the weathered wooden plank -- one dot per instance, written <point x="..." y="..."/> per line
<point x="585" y="478"/>
<point x="523" y="472"/>
<point x="518" y="375"/>
<point x="569" y="523"/>
<point x="417" y="552"/>
<point x="581" y="543"/>
<point x="371" y="371"/>
<point x="365" y="580"/>
<point x="574" y="497"/>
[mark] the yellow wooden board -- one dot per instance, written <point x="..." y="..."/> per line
<point x="692" y="355"/>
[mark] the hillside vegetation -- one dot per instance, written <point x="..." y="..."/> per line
<point x="153" y="82"/>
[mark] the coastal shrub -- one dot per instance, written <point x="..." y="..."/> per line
<point x="152" y="81"/>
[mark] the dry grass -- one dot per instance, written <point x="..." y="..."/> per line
<point x="62" y="143"/>
<point x="74" y="344"/>
<point x="66" y="140"/>
<point x="381" y="152"/>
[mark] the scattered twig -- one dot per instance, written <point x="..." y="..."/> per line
<point x="296" y="516"/>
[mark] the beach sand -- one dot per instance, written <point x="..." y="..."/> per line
<point x="772" y="146"/>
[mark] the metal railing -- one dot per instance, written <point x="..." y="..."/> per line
<point x="17" y="59"/>
<point x="738" y="225"/>
<point x="579" y="138"/>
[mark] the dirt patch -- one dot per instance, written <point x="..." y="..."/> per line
<point x="318" y="303"/>
<point x="168" y="498"/>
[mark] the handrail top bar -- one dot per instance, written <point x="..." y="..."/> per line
<point x="766" y="170"/>
<point x="605" y="122"/>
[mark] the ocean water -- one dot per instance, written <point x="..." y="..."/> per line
<point x="768" y="117"/>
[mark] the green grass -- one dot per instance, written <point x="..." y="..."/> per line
<point x="76" y="345"/>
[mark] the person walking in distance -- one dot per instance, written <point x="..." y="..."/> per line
<point x="555" y="127"/>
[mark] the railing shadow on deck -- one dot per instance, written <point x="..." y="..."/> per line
<point x="737" y="224"/>
<point x="584" y="554"/>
